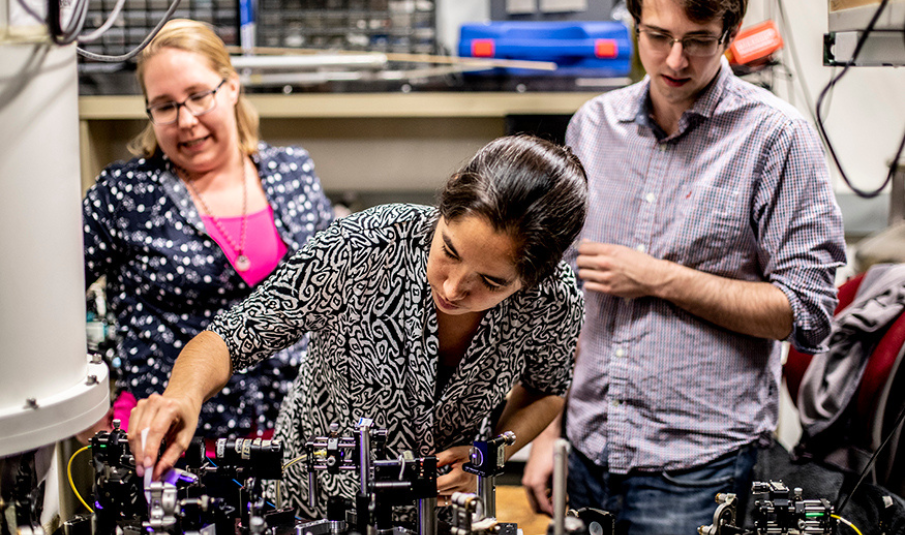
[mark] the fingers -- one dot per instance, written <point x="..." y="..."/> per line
<point x="457" y="480"/>
<point x="444" y="458"/>
<point x="587" y="247"/>
<point x="538" y="475"/>
<point x="456" y="454"/>
<point x="540" y="499"/>
<point x="138" y="420"/>
<point x="593" y="286"/>
<point x="153" y="420"/>
<point x="168" y="459"/>
<point x="597" y="257"/>
<point x="537" y="487"/>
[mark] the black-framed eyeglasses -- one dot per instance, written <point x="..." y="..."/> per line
<point x="701" y="46"/>
<point x="197" y="104"/>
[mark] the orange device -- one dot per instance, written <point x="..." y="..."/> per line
<point x="755" y="43"/>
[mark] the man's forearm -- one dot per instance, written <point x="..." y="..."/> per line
<point x="753" y="308"/>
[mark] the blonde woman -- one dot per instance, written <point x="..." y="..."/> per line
<point x="201" y="216"/>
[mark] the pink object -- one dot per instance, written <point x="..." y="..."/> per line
<point x="263" y="247"/>
<point x="122" y="408"/>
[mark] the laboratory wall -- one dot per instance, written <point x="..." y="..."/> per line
<point x="865" y="113"/>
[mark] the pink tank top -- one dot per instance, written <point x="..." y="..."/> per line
<point x="263" y="245"/>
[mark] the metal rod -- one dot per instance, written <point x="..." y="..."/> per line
<point x="346" y="442"/>
<point x="386" y="485"/>
<point x="359" y="61"/>
<point x="312" y="488"/>
<point x="487" y="493"/>
<point x="364" y="464"/>
<point x="560" y="465"/>
<point x="347" y="465"/>
<point x="427" y="516"/>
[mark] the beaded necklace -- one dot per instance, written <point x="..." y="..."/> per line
<point x="242" y="263"/>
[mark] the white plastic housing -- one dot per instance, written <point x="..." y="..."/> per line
<point x="46" y="393"/>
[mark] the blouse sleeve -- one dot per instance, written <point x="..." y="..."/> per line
<point x="305" y="294"/>
<point x="554" y="326"/>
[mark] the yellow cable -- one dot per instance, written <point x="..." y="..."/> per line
<point x="72" y="483"/>
<point x="847" y="523"/>
<point x="293" y="461"/>
<point x="279" y="497"/>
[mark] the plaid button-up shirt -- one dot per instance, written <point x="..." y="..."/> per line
<point x="741" y="190"/>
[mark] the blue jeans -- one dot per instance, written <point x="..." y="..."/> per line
<point x="661" y="503"/>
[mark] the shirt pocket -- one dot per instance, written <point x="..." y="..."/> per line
<point x="709" y="224"/>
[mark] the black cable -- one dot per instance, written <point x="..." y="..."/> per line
<point x="53" y="19"/>
<point x="790" y="84"/>
<point x="873" y="458"/>
<point x="58" y="34"/>
<point x="829" y="102"/>
<point x="68" y="35"/>
<point x="829" y="86"/>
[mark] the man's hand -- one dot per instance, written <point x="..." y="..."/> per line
<point x="754" y="308"/>
<point x="538" y="476"/>
<point x="457" y="480"/>
<point x="620" y="271"/>
<point x="170" y="419"/>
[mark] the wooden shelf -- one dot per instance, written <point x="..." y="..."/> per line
<point x="360" y="141"/>
<point x="365" y="105"/>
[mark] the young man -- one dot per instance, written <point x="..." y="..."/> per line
<point x="713" y="234"/>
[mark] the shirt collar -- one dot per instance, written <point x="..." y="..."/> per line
<point x="707" y="102"/>
<point x="705" y="105"/>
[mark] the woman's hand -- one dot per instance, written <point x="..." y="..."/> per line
<point x="202" y="369"/>
<point x="169" y="419"/>
<point x="457" y="480"/>
<point x="104" y="424"/>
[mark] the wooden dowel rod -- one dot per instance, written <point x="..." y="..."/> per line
<point x="415" y="58"/>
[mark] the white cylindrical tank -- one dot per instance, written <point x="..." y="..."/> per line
<point x="48" y="388"/>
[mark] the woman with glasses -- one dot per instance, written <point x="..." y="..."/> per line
<point x="193" y="224"/>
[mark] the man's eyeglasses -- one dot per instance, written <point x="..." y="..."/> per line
<point x="701" y="46"/>
<point x="197" y="104"/>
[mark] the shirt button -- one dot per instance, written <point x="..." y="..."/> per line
<point x="640" y="248"/>
<point x="650" y="197"/>
<point x="616" y="402"/>
<point x="620" y="352"/>
<point x="662" y="147"/>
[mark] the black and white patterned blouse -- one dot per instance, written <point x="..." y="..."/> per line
<point x="167" y="278"/>
<point x="361" y="290"/>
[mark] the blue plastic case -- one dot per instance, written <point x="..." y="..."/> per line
<point x="599" y="48"/>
